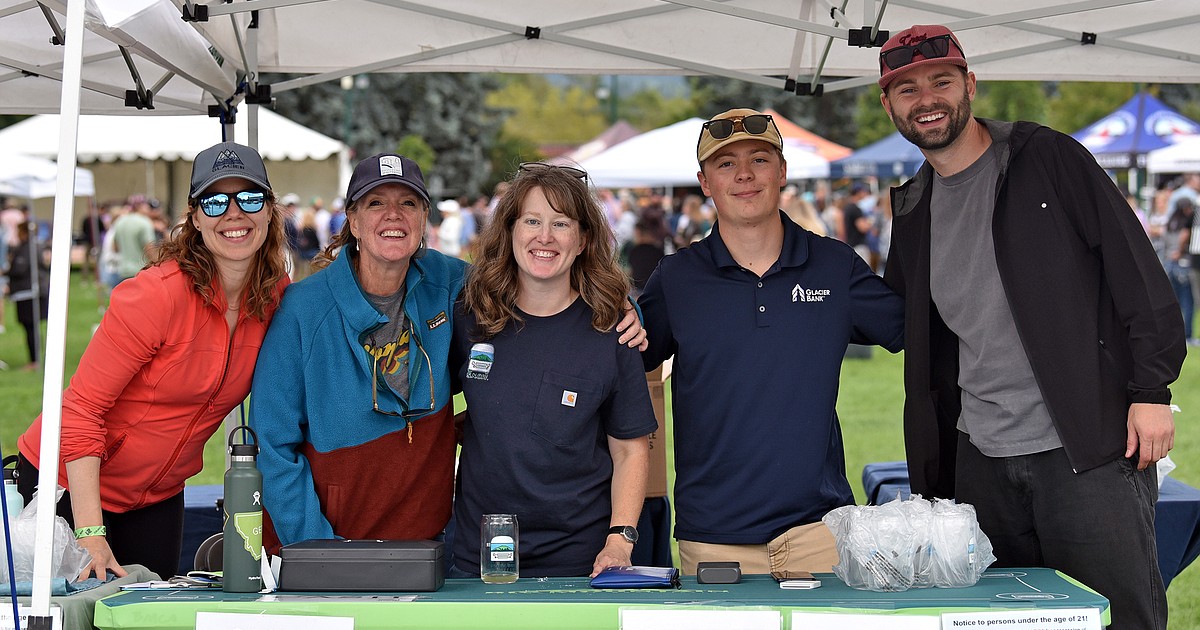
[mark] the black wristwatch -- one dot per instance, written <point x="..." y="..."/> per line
<point x="628" y="532"/>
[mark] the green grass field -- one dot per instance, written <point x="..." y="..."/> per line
<point x="869" y="407"/>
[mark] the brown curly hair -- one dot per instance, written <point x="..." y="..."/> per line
<point x="491" y="286"/>
<point x="185" y="245"/>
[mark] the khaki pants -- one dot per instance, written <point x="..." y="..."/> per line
<point x="802" y="548"/>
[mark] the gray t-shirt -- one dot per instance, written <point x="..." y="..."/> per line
<point x="1002" y="407"/>
<point x="388" y="344"/>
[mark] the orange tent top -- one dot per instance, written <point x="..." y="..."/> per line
<point x="825" y="148"/>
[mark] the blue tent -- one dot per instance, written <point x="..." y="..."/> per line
<point x="889" y="158"/>
<point x="1123" y="138"/>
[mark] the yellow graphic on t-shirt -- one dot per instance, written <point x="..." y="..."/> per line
<point x="390" y="355"/>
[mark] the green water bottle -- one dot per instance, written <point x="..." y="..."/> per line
<point x="242" y="545"/>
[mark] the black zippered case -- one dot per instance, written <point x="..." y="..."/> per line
<point x="363" y="565"/>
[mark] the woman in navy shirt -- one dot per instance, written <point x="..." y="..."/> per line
<point x="558" y="413"/>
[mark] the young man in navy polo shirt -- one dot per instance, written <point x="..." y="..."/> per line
<point x="758" y="316"/>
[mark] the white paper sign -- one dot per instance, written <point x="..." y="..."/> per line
<point x="1041" y="619"/>
<point x="253" y="621"/>
<point x="6" y="619"/>
<point x="839" y="621"/>
<point x="660" y="619"/>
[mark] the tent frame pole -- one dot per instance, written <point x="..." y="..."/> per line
<point x="60" y="279"/>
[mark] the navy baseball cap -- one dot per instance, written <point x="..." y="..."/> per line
<point x="385" y="168"/>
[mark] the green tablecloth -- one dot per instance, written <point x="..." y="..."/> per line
<point x="569" y="602"/>
<point x="77" y="608"/>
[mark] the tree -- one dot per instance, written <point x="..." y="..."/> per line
<point x="830" y="116"/>
<point x="870" y="118"/>
<point x="1011" y="100"/>
<point x="648" y="109"/>
<point x="1081" y="103"/>
<point x="1183" y="97"/>
<point x="446" y="110"/>
<point x="506" y="155"/>
<point x="416" y="149"/>
<point x="543" y="113"/>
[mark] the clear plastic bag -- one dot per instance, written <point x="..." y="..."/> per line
<point x="961" y="551"/>
<point x="908" y="544"/>
<point x="1164" y="468"/>
<point x="68" y="557"/>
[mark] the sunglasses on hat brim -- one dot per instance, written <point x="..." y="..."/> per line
<point x="932" y="48"/>
<point x="216" y="204"/>
<point x="754" y="124"/>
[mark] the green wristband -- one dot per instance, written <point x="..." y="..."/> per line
<point x="95" y="530"/>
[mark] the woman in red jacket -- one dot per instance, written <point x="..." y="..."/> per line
<point x="173" y="355"/>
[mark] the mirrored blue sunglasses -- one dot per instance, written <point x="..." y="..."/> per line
<point x="250" y="201"/>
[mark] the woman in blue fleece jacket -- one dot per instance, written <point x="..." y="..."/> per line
<point x="351" y="397"/>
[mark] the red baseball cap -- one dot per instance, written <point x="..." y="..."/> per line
<point x="915" y="46"/>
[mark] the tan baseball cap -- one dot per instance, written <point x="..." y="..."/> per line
<point x="735" y="130"/>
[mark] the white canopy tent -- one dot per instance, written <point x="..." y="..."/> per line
<point x="782" y="43"/>
<point x="143" y="154"/>
<point x="133" y="55"/>
<point x="170" y="60"/>
<point x="667" y="157"/>
<point x="1183" y="157"/>
<point x="30" y="177"/>
<point x="110" y="138"/>
<point x="760" y="41"/>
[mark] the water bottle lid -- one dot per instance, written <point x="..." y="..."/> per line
<point x="243" y="450"/>
<point x="247" y="449"/>
<point x="10" y="474"/>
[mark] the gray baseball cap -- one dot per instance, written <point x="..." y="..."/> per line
<point x="225" y="160"/>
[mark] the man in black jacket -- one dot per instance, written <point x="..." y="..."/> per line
<point x="1041" y="334"/>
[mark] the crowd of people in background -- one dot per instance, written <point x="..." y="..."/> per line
<point x="1010" y="407"/>
<point x="647" y="224"/>
<point x="1172" y="227"/>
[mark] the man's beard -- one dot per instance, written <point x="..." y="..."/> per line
<point x="936" y="138"/>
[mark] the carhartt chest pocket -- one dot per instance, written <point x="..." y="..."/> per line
<point x="565" y="405"/>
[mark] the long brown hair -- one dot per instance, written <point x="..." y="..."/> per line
<point x="185" y="245"/>
<point x="491" y="287"/>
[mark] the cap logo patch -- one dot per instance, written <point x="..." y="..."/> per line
<point x="228" y="159"/>
<point x="912" y="38"/>
<point x="390" y="165"/>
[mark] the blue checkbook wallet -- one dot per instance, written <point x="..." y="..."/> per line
<point x="637" y="577"/>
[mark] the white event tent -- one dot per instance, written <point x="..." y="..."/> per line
<point x="667" y="157"/>
<point x="781" y="43"/>
<point x="1183" y="157"/>
<point x="29" y="177"/>
<point x="130" y="45"/>
<point x="152" y="154"/>
<point x="760" y="41"/>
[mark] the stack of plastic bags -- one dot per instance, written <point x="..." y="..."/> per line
<point x="68" y="558"/>
<point x="909" y="544"/>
